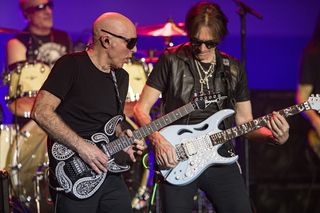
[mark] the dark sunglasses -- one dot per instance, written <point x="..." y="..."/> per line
<point x="197" y="43"/>
<point x="131" y="42"/>
<point x="39" y="7"/>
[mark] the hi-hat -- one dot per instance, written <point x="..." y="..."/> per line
<point x="11" y="31"/>
<point x="167" y="29"/>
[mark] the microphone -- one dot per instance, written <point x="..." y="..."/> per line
<point x="102" y="44"/>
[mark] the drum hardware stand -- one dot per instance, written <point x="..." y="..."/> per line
<point x="154" y="200"/>
<point x="39" y="176"/>
<point x="4" y="191"/>
<point x="16" y="166"/>
<point x="141" y="198"/>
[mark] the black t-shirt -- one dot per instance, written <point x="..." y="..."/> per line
<point x="47" y="48"/>
<point x="88" y="95"/>
<point x="310" y="67"/>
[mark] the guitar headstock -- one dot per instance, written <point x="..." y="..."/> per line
<point x="204" y="100"/>
<point x="314" y="102"/>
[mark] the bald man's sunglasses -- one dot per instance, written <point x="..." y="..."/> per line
<point x="39" y="7"/>
<point x="197" y="43"/>
<point x="131" y="42"/>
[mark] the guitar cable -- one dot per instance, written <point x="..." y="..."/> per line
<point x="155" y="187"/>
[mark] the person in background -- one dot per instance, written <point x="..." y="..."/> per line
<point x="309" y="83"/>
<point x="30" y="55"/>
<point x="192" y="69"/>
<point x="38" y="43"/>
<point x="84" y="91"/>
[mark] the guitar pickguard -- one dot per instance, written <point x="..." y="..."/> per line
<point x="85" y="187"/>
<point x="61" y="152"/>
<point x="199" y="151"/>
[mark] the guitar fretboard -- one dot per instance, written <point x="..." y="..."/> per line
<point x="228" y="134"/>
<point x="123" y="142"/>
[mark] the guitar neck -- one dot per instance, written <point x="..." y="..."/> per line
<point x="228" y="134"/>
<point x="124" y="142"/>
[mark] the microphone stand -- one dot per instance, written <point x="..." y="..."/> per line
<point x="243" y="11"/>
<point x="16" y="167"/>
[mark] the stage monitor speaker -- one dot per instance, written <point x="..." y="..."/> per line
<point x="289" y="162"/>
<point x="283" y="178"/>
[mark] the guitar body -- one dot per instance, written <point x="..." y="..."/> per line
<point x="76" y="178"/>
<point x="198" y="147"/>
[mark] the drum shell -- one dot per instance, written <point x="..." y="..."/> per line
<point x="138" y="72"/>
<point x="25" y="79"/>
<point x="27" y="154"/>
<point x="7" y="135"/>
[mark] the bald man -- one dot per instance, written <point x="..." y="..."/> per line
<point x="82" y="93"/>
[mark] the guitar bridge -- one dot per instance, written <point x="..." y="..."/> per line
<point x="181" y="153"/>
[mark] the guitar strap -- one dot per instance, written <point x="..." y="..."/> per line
<point x="231" y="100"/>
<point x="120" y="106"/>
<point x="228" y="79"/>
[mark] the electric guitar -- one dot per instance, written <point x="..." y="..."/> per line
<point x="78" y="180"/>
<point x="197" y="145"/>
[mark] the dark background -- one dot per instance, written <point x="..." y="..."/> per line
<point x="281" y="179"/>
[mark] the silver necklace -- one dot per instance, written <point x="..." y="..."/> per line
<point x="204" y="80"/>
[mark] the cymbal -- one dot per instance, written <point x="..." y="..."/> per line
<point x="11" y="31"/>
<point x="167" y="29"/>
<point x="150" y="60"/>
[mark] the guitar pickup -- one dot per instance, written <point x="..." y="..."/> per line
<point x="190" y="148"/>
<point x="78" y="167"/>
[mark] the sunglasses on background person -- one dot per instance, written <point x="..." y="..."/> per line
<point x="39" y="7"/>
<point x="131" y="42"/>
<point x="197" y="43"/>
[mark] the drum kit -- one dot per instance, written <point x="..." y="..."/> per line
<point x="23" y="150"/>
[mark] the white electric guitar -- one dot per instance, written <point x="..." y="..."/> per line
<point x="197" y="145"/>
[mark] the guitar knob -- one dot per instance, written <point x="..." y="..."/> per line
<point x="191" y="163"/>
<point x="178" y="177"/>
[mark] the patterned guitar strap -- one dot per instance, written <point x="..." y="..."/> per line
<point x="120" y="106"/>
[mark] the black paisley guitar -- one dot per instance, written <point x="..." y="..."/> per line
<point x="78" y="180"/>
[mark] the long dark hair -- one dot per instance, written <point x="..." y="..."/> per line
<point x="206" y="14"/>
